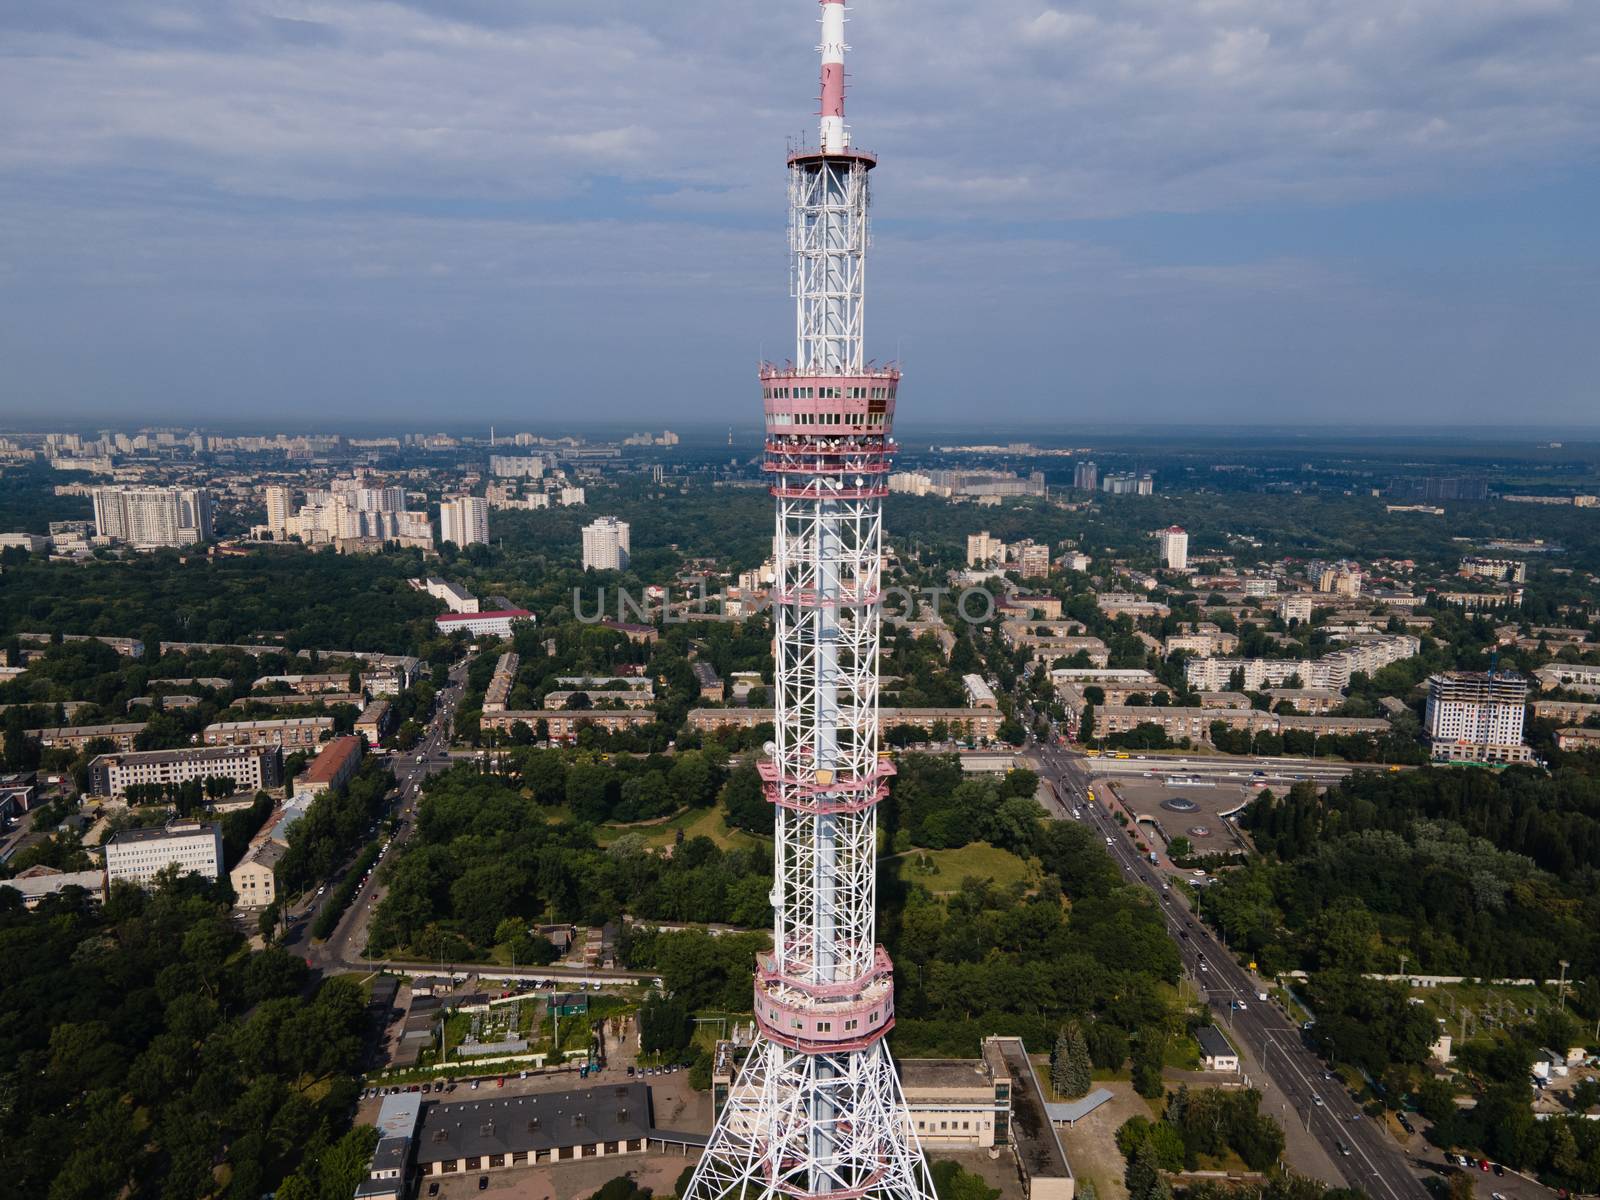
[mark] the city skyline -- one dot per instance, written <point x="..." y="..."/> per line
<point x="1298" y="213"/>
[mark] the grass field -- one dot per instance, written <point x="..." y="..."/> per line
<point x="695" y="822"/>
<point x="941" y="871"/>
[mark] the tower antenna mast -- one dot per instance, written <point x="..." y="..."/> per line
<point x="817" y="1112"/>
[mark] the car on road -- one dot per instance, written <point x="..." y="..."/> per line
<point x="1343" y="1149"/>
<point x="1316" y="1099"/>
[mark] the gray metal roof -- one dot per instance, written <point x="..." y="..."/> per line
<point x="542" y="1121"/>
<point x="1078" y="1109"/>
<point x="1214" y="1042"/>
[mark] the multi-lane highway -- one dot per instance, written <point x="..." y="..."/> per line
<point x="1359" y="1148"/>
<point x="344" y="949"/>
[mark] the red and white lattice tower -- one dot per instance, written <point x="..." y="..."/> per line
<point x="817" y="1110"/>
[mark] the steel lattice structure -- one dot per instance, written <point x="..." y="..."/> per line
<point x="817" y="1110"/>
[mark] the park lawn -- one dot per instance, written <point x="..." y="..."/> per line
<point x="695" y="822"/>
<point x="941" y="871"/>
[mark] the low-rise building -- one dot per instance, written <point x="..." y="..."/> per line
<point x="958" y="1103"/>
<point x="452" y="595"/>
<point x="499" y="623"/>
<point x="139" y="855"/>
<point x="331" y="768"/>
<point x="709" y="682"/>
<point x="498" y="693"/>
<point x="960" y="722"/>
<point x="251" y="768"/>
<point x="1307" y="700"/>
<point x="1216" y="1052"/>
<point x="563" y="725"/>
<point x="39" y="882"/>
<point x="255" y="879"/>
<point x="979" y="693"/>
<point x="76" y="737"/>
<point x="1578" y="738"/>
<point x="292" y="732"/>
<point x="1195" y="723"/>
<point x="535" y="1129"/>
<point x="375" y="721"/>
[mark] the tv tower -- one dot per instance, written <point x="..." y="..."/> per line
<point x="817" y="1112"/>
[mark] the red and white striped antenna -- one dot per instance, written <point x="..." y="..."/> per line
<point x="834" y="137"/>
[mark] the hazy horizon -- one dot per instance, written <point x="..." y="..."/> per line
<point x="1317" y="214"/>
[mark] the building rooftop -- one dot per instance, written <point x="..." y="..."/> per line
<point x="515" y="614"/>
<point x="542" y="1121"/>
<point x="333" y="759"/>
<point x="155" y="833"/>
<point x="186" y="754"/>
<point x="919" y="1073"/>
<point x="1214" y="1042"/>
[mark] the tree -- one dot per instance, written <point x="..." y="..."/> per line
<point x="951" y="1181"/>
<point x="1148" y="1053"/>
<point x="745" y="803"/>
<point x="1071" y="1073"/>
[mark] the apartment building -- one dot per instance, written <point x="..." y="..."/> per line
<point x="150" y="517"/>
<point x="333" y="767"/>
<point x="961" y="722"/>
<point x="1173" y="545"/>
<point x="464" y="520"/>
<point x="76" y="737"/>
<point x="375" y="721"/>
<point x="1499" y="570"/>
<point x="498" y="692"/>
<point x="563" y="725"/>
<point x="606" y="545"/>
<point x="292" y="732"/>
<point x="483" y="624"/>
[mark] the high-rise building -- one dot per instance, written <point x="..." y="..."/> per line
<point x="280" y="507"/>
<point x="1477" y="716"/>
<point x="983" y="549"/>
<point x="464" y="520"/>
<point x="1174" y="548"/>
<point x="817" y="1109"/>
<point x="153" y="516"/>
<point x="1086" y="477"/>
<point x="605" y="545"/>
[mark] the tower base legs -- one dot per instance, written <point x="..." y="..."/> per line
<point x="823" y="1126"/>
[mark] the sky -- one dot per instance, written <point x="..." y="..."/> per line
<point x="444" y="213"/>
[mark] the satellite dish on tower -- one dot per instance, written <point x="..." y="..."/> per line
<point x="770" y="749"/>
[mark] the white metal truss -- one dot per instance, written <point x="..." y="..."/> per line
<point x="826" y="585"/>
<point x="828" y="238"/>
<point x="808" y="1125"/>
<point x="817" y="1112"/>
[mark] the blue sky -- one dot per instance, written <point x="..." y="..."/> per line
<point x="1188" y="211"/>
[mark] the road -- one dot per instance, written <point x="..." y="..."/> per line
<point x="1322" y="1106"/>
<point x="344" y="949"/>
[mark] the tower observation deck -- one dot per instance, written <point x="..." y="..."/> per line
<point x="817" y="1110"/>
